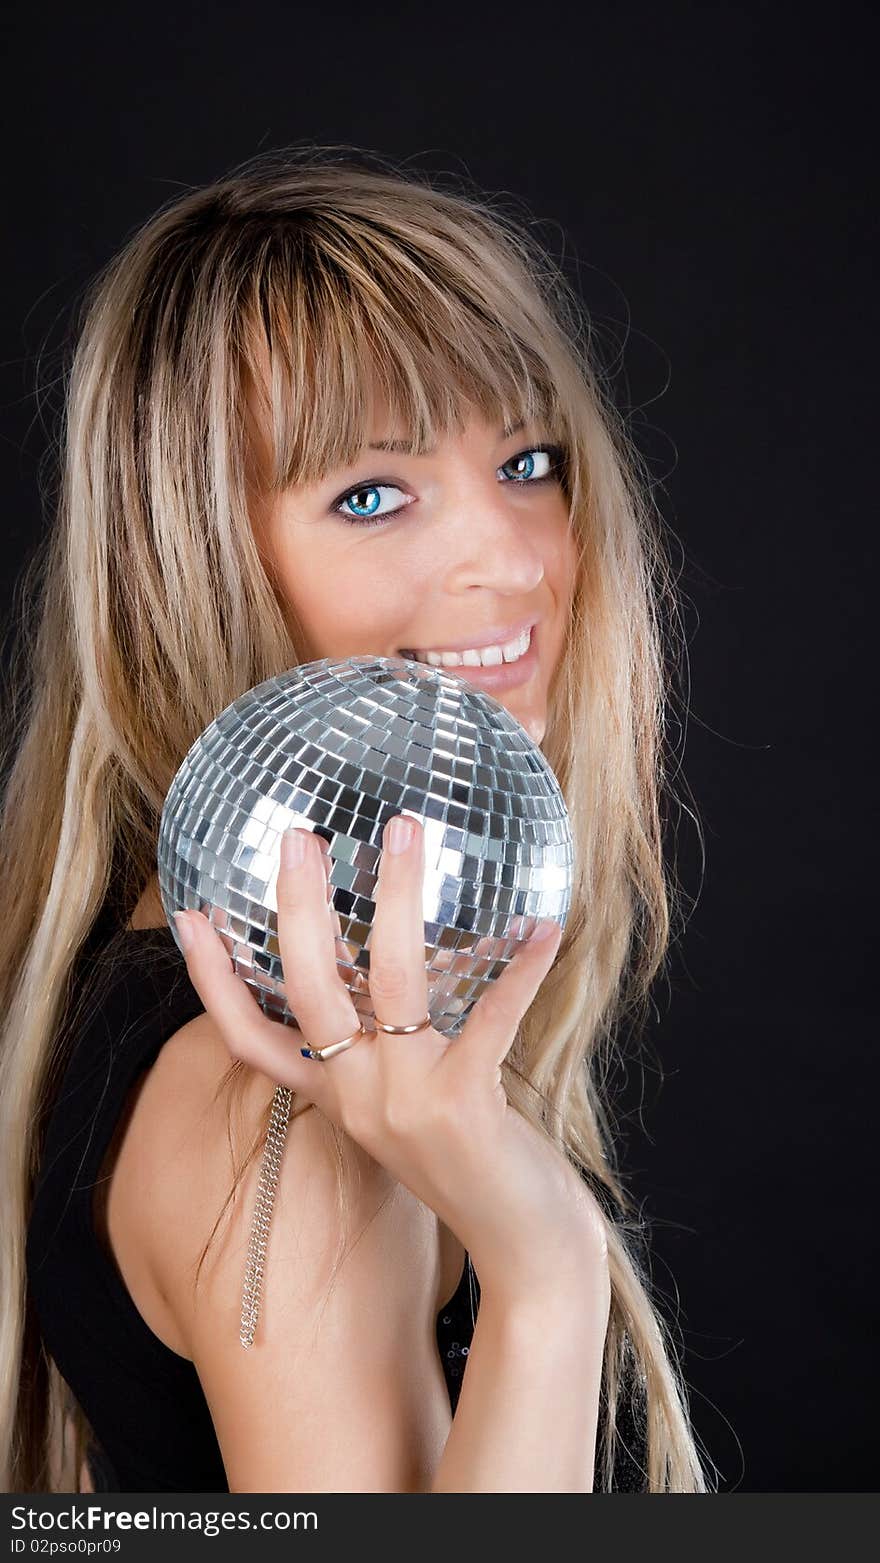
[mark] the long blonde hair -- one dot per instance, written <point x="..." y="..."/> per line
<point x="153" y="609"/>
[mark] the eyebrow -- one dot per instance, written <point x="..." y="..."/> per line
<point x="404" y="447"/>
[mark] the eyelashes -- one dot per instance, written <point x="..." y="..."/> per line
<point x="372" y="515"/>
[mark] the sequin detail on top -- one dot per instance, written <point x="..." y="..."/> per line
<point x="456" y="1356"/>
<point x="455" y="1328"/>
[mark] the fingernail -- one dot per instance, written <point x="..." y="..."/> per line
<point x="400" y="834"/>
<point x="543" y="931"/>
<point x="184" y="928"/>
<point x="293" y="848"/>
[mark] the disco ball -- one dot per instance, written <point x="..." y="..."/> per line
<point x="338" y="747"/>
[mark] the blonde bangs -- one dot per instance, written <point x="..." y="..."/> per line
<point x="332" y="341"/>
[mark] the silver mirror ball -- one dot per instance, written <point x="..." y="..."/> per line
<point x="339" y="746"/>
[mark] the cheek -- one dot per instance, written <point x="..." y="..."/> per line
<point x="344" y="607"/>
<point x="561" y="558"/>
<point x="561" y="570"/>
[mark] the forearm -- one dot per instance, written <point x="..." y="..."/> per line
<point x="528" y="1410"/>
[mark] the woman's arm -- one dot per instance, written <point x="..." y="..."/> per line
<point x="527" y="1415"/>
<point x="343" y="1389"/>
<point x="435" y="1118"/>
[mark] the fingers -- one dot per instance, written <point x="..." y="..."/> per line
<point x="307" y="923"/>
<point x="398" y="975"/>
<point x="264" y="1044"/>
<point x="348" y="950"/>
<point x="491" y="1027"/>
<point x="317" y="996"/>
<point x="315" y="992"/>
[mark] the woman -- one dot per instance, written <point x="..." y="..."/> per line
<point x="318" y="409"/>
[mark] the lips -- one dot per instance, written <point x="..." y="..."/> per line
<point x="507" y="675"/>
<point x="494" y="636"/>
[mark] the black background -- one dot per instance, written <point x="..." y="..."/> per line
<point x="705" y="173"/>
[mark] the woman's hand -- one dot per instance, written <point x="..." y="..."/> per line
<point x="431" y="1110"/>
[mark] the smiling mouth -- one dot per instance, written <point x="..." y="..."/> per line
<point x="494" y="678"/>
<point x="484" y="657"/>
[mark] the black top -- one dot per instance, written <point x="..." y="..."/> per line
<point x="143" y="1400"/>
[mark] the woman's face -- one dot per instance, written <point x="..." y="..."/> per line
<point x="455" y="549"/>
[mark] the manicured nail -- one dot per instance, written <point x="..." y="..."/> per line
<point x="400" y="834"/>
<point x="185" y="930"/>
<point x="293" y="848"/>
<point x="543" y="931"/>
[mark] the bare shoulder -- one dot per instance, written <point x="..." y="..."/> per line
<point x="343" y="1388"/>
<point x="186" y="1135"/>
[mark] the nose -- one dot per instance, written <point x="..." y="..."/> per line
<point x="486" y="540"/>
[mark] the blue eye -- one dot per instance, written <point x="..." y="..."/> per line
<point x="527" y="457"/>
<point x="369" y="509"/>
<point x="365" y="499"/>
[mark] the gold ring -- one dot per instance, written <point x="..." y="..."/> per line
<point x="404" y="1030"/>
<point x="333" y="1048"/>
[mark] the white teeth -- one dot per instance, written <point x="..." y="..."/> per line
<point x="487" y="656"/>
<point x="518" y="648"/>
